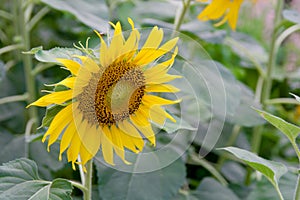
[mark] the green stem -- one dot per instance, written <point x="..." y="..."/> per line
<point x="272" y="55"/>
<point x="282" y="101"/>
<point x="36" y="18"/>
<point x="27" y="61"/>
<point x="29" y="125"/>
<point x="79" y="186"/>
<point x="297" y="191"/>
<point x="200" y="161"/>
<point x="179" y="20"/>
<point x="296" y="150"/>
<point x="15" y="98"/>
<point x="41" y="67"/>
<point x="10" y="48"/>
<point x="88" y="180"/>
<point x="6" y="15"/>
<point x="267" y="84"/>
<point x="279" y="193"/>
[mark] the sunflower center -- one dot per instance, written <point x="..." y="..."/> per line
<point x="119" y="92"/>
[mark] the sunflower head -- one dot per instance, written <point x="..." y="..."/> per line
<point x="111" y="101"/>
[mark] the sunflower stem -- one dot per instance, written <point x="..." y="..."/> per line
<point x="27" y="61"/>
<point x="267" y="84"/>
<point x="88" y="181"/>
<point x="10" y="48"/>
<point x="297" y="191"/>
<point x="15" y="98"/>
<point x="179" y="20"/>
<point x="29" y="125"/>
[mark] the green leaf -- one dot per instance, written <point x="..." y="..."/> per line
<point x="290" y="130"/>
<point x="93" y="13"/>
<point x="172" y="127"/>
<point x="19" y="180"/>
<point x="147" y="177"/>
<point x="244" y="114"/>
<point x="34" y="50"/>
<point x="217" y="97"/>
<point x="50" y="114"/>
<point x="292" y="16"/>
<point x="57" y="52"/>
<point x="263" y="189"/>
<point x="209" y="189"/>
<point x="12" y="149"/>
<point x="272" y="170"/>
<point x="247" y="48"/>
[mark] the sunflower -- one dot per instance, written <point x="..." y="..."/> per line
<point x="111" y="102"/>
<point x="229" y="9"/>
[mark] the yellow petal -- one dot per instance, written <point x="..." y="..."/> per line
<point x="155" y="100"/>
<point x="73" y="150"/>
<point x="233" y="13"/>
<point x="53" y="98"/>
<point x="160" y="78"/>
<point x="118" y="143"/>
<point x="104" y="57"/>
<point x="107" y="146"/>
<point x="214" y="10"/>
<point x="131" y="22"/>
<point x="161" y="88"/>
<point x="146" y="131"/>
<point x="68" y="82"/>
<point x="91" y="140"/>
<point x="153" y="41"/>
<point x="157" y="115"/>
<point x="140" y="118"/>
<point x="59" y="122"/>
<point x="152" y="54"/>
<point x="132" y="132"/>
<point x="90" y="64"/>
<point x="131" y="45"/>
<point x="85" y="155"/>
<point x="66" y="138"/>
<point x="71" y="65"/>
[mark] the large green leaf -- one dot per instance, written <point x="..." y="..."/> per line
<point x="209" y="189"/>
<point x="12" y="149"/>
<point x="290" y="130"/>
<point x="244" y="115"/>
<point x="263" y="190"/>
<point x="270" y="169"/>
<point x="52" y="54"/>
<point x="247" y="48"/>
<point x="19" y="180"/>
<point x="93" y="13"/>
<point x="147" y="178"/>
<point x="48" y="162"/>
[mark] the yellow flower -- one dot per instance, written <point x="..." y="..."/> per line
<point x="111" y="102"/>
<point x="229" y="9"/>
